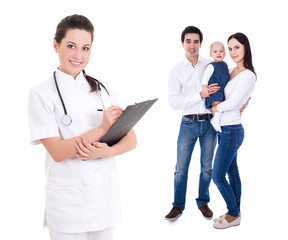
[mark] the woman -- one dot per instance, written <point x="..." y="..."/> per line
<point x="82" y="197"/>
<point x="237" y="92"/>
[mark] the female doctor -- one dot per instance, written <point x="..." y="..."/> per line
<point x="69" y="114"/>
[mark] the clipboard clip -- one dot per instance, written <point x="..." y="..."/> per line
<point x="136" y="104"/>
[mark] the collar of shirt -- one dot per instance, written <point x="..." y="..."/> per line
<point x="200" y="61"/>
<point x="199" y="68"/>
<point x="66" y="78"/>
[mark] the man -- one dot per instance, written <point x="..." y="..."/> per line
<point x="186" y="94"/>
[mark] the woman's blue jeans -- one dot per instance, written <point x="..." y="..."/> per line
<point x="229" y="141"/>
<point x="190" y="131"/>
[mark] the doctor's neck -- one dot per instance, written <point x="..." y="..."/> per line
<point x="74" y="75"/>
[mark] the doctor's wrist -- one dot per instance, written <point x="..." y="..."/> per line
<point x="101" y="130"/>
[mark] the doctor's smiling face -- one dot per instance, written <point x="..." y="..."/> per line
<point x="74" y="51"/>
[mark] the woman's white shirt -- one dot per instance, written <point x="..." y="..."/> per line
<point x="81" y="196"/>
<point x="237" y="92"/>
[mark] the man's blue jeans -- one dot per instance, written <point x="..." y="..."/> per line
<point x="190" y="131"/>
<point x="229" y="141"/>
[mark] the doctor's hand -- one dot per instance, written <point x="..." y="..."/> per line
<point x="110" y="116"/>
<point x="87" y="151"/>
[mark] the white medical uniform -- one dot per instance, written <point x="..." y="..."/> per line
<point x="81" y="196"/>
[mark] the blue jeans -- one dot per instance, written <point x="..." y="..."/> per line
<point x="190" y="131"/>
<point x="229" y="141"/>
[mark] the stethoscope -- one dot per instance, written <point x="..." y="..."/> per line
<point x="66" y="119"/>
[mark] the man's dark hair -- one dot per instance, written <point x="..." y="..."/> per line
<point x="191" y="29"/>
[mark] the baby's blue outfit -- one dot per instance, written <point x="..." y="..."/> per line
<point x="221" y="76"/>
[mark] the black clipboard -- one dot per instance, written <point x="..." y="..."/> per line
<point x="130" y="116"/>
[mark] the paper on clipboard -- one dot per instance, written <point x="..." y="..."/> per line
<point x="130" y="116"/>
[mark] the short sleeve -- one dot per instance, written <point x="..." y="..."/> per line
<point x="41" y="117"/>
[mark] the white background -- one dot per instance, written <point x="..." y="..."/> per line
<point x="136" y="44"/>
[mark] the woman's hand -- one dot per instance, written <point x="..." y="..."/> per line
<point x="110" y="116"/>
<point x="87" y="151"/>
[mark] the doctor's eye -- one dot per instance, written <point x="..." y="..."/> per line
<point x="70" y="46"/>
<point x="86" y="48"/>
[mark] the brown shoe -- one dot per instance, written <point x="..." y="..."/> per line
<point x="206" y="211"/>
<point x="174" y="214"/>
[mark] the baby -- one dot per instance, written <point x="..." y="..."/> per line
<point x="216" y="72"/>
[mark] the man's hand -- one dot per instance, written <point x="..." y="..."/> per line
<point x="244" y="106"/>
<point x="208" y="90"/>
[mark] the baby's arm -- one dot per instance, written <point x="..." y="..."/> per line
<point x="207" y="74"/>
<point x="206" y="77"/>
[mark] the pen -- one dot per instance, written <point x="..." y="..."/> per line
<point x="100" y="110"/>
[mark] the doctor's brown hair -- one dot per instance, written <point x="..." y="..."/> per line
<point x="76" y="22"/>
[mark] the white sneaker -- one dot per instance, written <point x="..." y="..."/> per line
<point x="223" y="223"/>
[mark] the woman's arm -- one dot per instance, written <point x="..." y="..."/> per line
<point x="87" y="151"/>
<point x="240" y="92"/>
<point x="60" y="149"/>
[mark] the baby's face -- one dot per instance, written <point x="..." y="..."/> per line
<point x="217" y="52"/>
